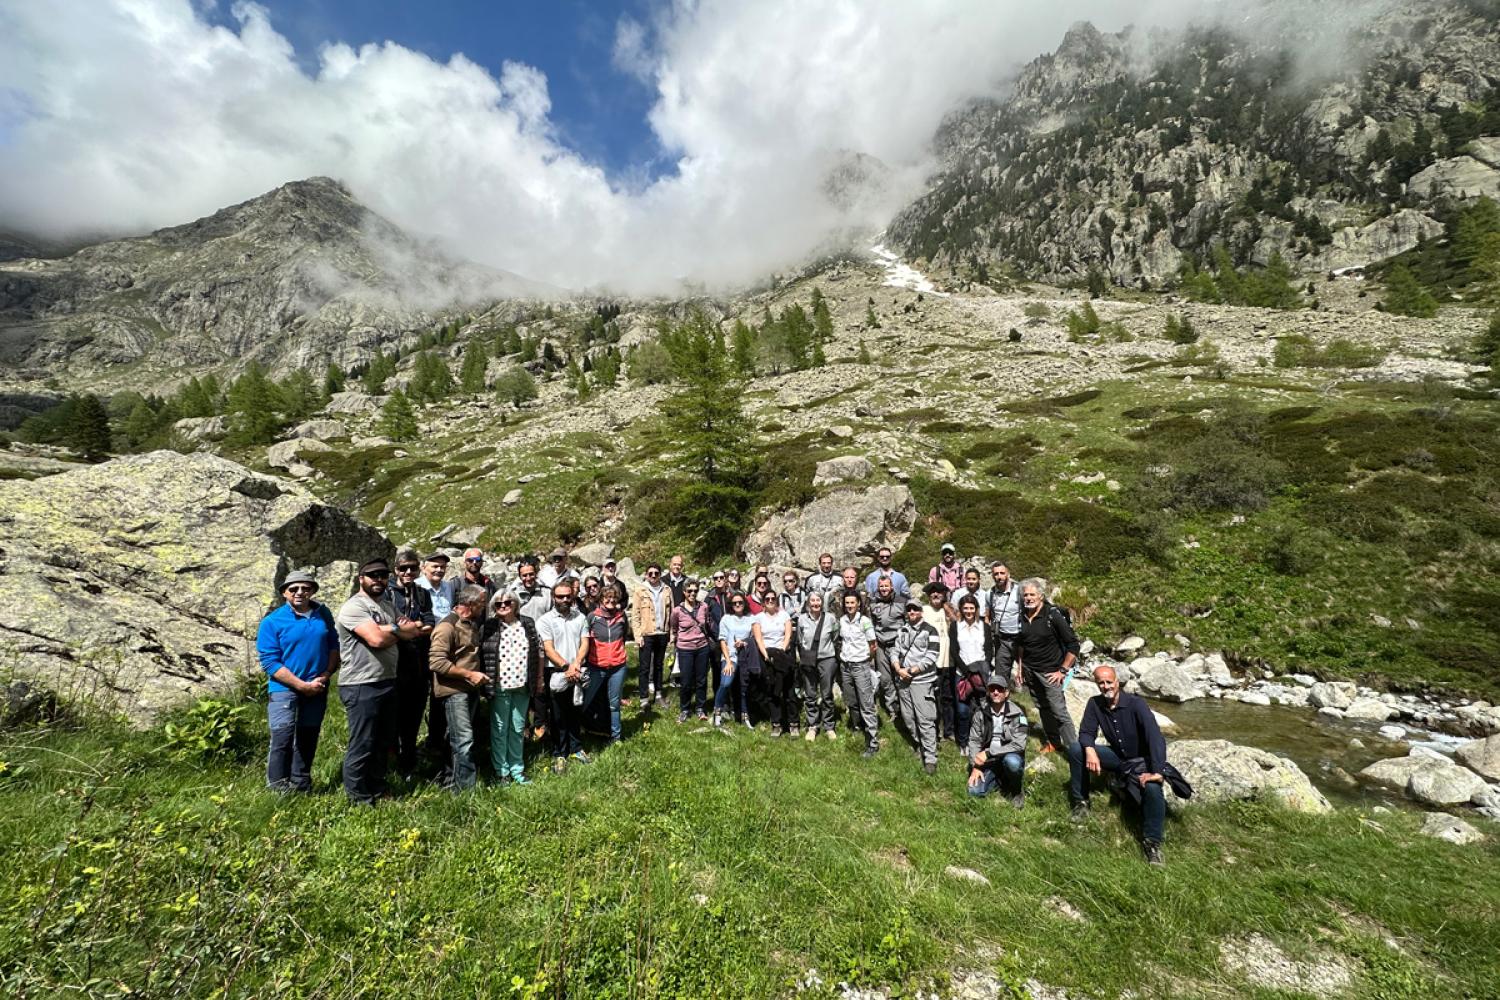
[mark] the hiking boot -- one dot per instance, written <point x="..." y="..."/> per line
<point x="1153" y="853"/>
<point x="1018" y="801"/>
<point x="1048" y="748"/>
<point x="811" y="736"/>
<point x="1080" y="812"/>
<point x="582" y="757"/>
<point x="519" y="779"/>
<point x="871" y="750"/>
<point x="681" y="717"/>
<point x="930" y="767"/>
<point x="702" y="716"/>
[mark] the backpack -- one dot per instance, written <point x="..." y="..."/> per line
<point x="1067" y="616"/>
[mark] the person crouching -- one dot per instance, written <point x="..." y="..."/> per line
<point x="997" y="743"/>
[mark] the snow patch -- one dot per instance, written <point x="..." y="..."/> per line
<point x="899" y="274"/>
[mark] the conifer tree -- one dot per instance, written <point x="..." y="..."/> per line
<point x="515" y="385"/>
<point x="89" y="433"/>
<point x="299" y="396"/>
<point x="380" y="369"/>
<point x="742" y="349"/>
<point x="333" y="381"/>
<point x="397" y="419"/>
<point x="872" y="322"/>
<point x="194" y="400"/>
<point x="254" y="406"/>
<point x="476" y="362"/>
<point x="607" y="369"/>
<point x="140" y="426"/>
<point x="797" y="336"/>
<point x="864" y="354"/>
<point x="1404" y="296"/>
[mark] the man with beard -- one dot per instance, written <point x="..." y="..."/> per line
<point x="1003" y="612"/>
<point x="298" y="649"/>
<point x="826" y="582"/>
<point x="369" y="631"/>
<point x="888" y="614"/>
<point x="413" y="680"/>
<point x="884" y="571"/>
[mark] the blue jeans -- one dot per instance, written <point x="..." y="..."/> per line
<point x="1153" y="798"/>
<point x="1003" y="772"/>
<point x="295" y="724"/>
<point x="693" y="666"/>
<point x="727" y="681"/>
<point x="460" y="710"/>
<point x="612" y="682"/>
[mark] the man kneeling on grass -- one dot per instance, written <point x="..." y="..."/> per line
<point x="997" y="743"/>
<point x="1137" y="752"/>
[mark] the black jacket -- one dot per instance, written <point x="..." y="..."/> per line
<point x="489" y="652"/>
<point x="1046" y="640"/>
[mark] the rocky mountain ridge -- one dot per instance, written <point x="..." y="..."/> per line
<point x="1130" y="156"/>
<point x="299" y="277"/>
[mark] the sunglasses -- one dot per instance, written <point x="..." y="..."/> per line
<point x="718" y="576"/>
<point x="406" y="569"/>
<point x="505" y="604"/>
<point x="477" y="559"/>
<point x="377" y="574"/>
<point x="299" y="588"/>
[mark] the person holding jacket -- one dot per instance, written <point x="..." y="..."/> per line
<point x="914" y="660"/>
<point x="459" y="680"/>
<point x="510" y="654"/>
<point x="414" y="696"/>
<point x="817" y="641"/>
<point x="971" y="644"/>
<point x="997" y="744"/>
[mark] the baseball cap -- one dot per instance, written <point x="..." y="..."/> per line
<point x="437" y="557"/>
<point x="914" y="606"/>
<point x="948" y="547"/>
<point x="998" y="680"/>
<point x="374" y="564"/>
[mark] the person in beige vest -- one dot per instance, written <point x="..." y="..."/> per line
<point x="650" y="611"/>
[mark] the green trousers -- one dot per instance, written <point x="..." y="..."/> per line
<point x="508" y="732"/>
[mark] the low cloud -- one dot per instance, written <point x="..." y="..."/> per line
<point x="121" y="117"/>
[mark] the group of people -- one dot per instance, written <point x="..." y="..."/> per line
<point x="546" y="657"/>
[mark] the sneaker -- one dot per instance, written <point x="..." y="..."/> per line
<point x="748" y="724"/>
<point x="582" y="757"/>
<point x="811" y="736"/>
<point x="520" y="779"/>
<point x="794" y="732"/>
<point x="718" y="721"/>
<point x="830" y="734"/>
<point x="776" y="734"/>
<point x="681" y="717"/>
<point x="1080" y="812"/>
<point x="871" y="750"/>
<point x="1153" y="853"/>
<point x="559" y="765"/>
<point x="1018" y="801"/>
<point x="930" y="767"/>
<point x="650" y="693"/>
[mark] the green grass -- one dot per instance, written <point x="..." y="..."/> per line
<point x="683" y="864"/>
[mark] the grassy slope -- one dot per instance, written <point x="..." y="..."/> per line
<point x="690" y="865"/>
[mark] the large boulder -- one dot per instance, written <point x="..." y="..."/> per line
<point x="842" y="469"/>
<point x="141" y="582"/>
<point x="851" y="524"/>
<point x="201" y="428"/>
<point x="1170" y="681"/>
<point x="1482" y="756"/>
<point x="1369" y="710"/>
<point x="1426" y="776"/>
<point x="323" y="430"/>
<point x="1332" y="694"/>
<point x="1220" y="771"/>
<point x="1461" y="178"/>
<point x="285" y="454"/>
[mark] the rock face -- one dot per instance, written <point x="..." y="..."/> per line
<point x="1220" y="771"/>
<point x="851" y="524"/>
<point x="1462" y="178"/>
<point x="1428" y="777"/>
<point x="142" y="581"/>
<point x="1170" y="681"/>
<point x="285" y="454"/>
<point x="842" y="469"/>
<point x="296" y="278"/>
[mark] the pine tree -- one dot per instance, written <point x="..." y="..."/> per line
<point x="254" y="406"/>
<point x="333" y="381"/>
<point x="476" y="362"/>
<point x="649" y="363"/>
<point x="431" y="382"/>
<point x="380" y="369"/>
<point x="1404" y="296"/>
<point x="397" y="419"/>
<point x="140" y="426"/>
<point x="300" y="397"/>
<point x="515" y="386"/>
<point x="797" y="336"/>
<point x="577" y="380"/>
<point x="872" y="322"/>
<point x="822" y="319"/>
<point x="742" y="349"/>
<point x="89" y="433"/>
<point x="864" y="354"/>
<point x="607" y="369"/>
<point x="194" y="400"/>
<point x="528" y="349"/>
<point x="819" y="358"/>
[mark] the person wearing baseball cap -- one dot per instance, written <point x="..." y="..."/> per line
<point x="298" y="649"/>
<point x="914" y="661"/>
<point x="557" y="569"/>
<point x="369" y="632"/>
<point x="947" y="572"/>
<point x="997" y="743"/>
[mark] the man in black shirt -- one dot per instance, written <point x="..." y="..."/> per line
<point x="1046" y="649"/>
<point x="1135" y="750"/>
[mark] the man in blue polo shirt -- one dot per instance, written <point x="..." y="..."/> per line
<point x="298" y="649"/>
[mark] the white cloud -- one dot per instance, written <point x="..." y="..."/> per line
<point x="134" y="114"/>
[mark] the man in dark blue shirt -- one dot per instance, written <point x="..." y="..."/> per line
<point x="1135" y="750"/>
<point x="299" y="651"/>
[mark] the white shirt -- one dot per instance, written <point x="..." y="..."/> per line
<point x="970" y="641"/>
<point x="566" y="634"/>
<point x="773" y="628"/>
<point x="855" y="636"/>
<point x="1005" y="609"/>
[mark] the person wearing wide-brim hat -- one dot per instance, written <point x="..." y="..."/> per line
<point x="997" y="743"/>
<point x="298" y="649"/>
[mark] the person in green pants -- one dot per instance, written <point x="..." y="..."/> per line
<point x="510" y="653"/>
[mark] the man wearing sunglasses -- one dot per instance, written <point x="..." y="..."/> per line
<point x="474" y="574"/>
<point x="369" y="631"/>
<point x="298" y="649"/>
<point x="792" y="595"/>
<point x="414" y="693"/>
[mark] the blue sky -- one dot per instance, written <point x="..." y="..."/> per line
<point x="598" y="111"/>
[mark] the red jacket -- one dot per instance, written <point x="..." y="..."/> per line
<point x="606" y="639"/>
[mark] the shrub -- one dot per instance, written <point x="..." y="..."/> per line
<point x="1293" y="551"/>
<point x="1404" y="296"/>
<point x="212" y="728"/>
<point x="1037" y="310"/>
<point x="515" y="385"/>
<point x="1298" y="351"/>
<point x="1180" y="330"/>
<point x="1082" y="322"/>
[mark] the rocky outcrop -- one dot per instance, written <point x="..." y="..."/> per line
<point x="1169" y="681"/>
<point x="850" y="524"/>
<point x="1380" y="240"/>
<point x="1220" y="771"/>
<point x="1482" y="757"/>
<point x="842" y="469"/>
<point x="322" y="430"/>
<point x="140" y="582"/>
<point x="1460" y="178"/>
<point x="286" y="454"/>
<point x="1426" y="776"/>
<point x="1445" y="826"/>
<point x="202" y="428"/>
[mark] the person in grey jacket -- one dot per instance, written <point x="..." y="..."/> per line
<point x="997" y="743"/>
<point x="817" y="641"/>
<point x="914" y="660"/>
<point x="888" y="614"/>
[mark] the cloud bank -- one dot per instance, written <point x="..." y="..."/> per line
<point x="128" y="115"/>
